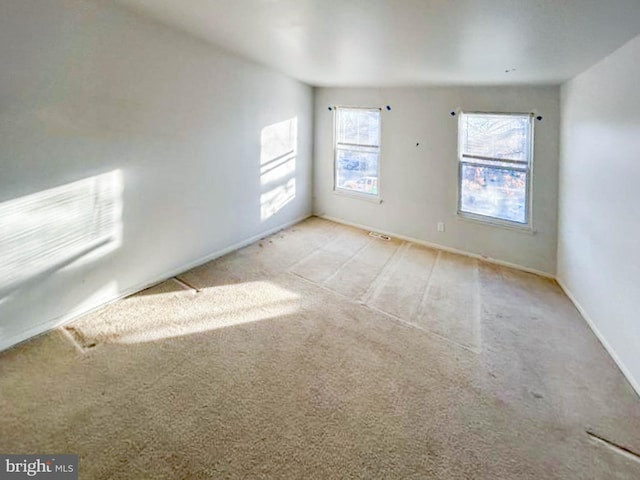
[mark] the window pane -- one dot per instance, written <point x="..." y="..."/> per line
<point x="358" y="127"/>
<point x="496" y="136"/>
<point x="357" y="170"/>
<point x="494" y="192"/>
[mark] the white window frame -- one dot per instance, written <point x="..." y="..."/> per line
<point x="465" y="159"/>
<point x="336" y="147"/>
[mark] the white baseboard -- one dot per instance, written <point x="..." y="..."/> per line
<point x="612" y="353"/>
<point x="443" y="247"/>
<point x="6" y="343"/>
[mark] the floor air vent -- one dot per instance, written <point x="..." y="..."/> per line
<point x="380" y="236"/>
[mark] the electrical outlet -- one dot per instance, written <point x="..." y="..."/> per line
<point x="441" y="226"/>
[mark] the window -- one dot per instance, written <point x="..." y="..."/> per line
<point x="495" y="167"/>
<point x="357" y="150"/>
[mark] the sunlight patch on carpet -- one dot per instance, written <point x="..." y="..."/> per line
<point x="172" y="310"/>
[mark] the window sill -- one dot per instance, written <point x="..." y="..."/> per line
<point x="358" y="196"/>
<point x="489" y="222"/>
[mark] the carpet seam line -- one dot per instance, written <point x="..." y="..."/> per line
<point x="422" y="305"/>
<point x="387" y="314"/>
<point x="427" y="331"/>
<point x="186" y="284"/>
<point x="316" y="249"/>
<point x="619" y="449"/>
<point x="72" y="339"/>
<point x="334" y="274"/>
<point x="388" y="269"/>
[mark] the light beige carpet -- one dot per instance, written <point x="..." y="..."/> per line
<point x="322" y="352"/>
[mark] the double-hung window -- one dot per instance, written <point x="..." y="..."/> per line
<point x="357" y="151"/>
<point x="494" y="167"/>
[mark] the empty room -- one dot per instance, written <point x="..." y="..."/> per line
<point x="318" y="239"/>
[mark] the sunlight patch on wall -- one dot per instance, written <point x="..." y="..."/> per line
<point x="45" y="231"/>
<point x="275" y="199"/>
<point x="279" y="148"/>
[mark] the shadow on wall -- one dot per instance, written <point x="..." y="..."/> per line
<point x="279" y="148"/>
<point x="46" y="231"/>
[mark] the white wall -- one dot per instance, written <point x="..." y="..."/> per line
<point x="87" y="88"/>
<point x="599" y="221"/>
<point x="419" y="183"/>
